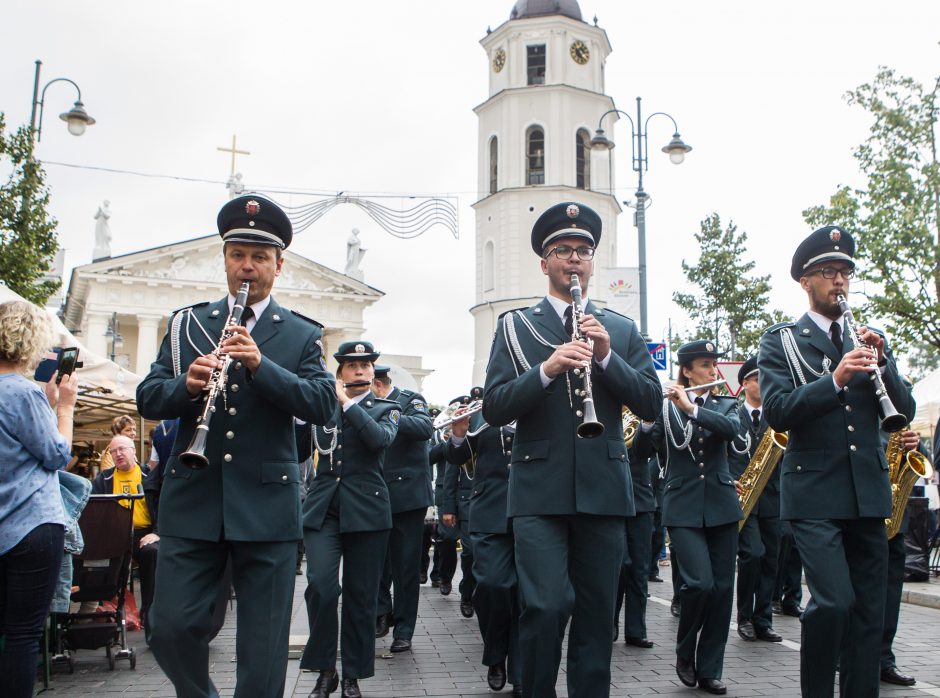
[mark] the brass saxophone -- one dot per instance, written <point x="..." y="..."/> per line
<point x="904" y="468"/>
<point x="760" y="468"/>
<point x="630" y="425"/>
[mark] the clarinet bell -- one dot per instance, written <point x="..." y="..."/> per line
<point x="195" y="455"/>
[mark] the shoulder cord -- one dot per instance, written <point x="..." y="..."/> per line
<point x="795" y="359"/>
<point x="175" y="342"/>
<point x="512" y="340"/>
<point x="326" y="451"/>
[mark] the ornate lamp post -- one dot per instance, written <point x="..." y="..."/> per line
<point x="76" y="118"/>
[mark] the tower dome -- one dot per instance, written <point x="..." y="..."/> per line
<point x="540" y="8"/>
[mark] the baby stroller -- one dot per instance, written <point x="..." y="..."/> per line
<point x="100" y="573"/>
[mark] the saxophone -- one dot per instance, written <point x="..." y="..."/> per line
<point x="760" y="468"/>
<point x="904" y="468"/>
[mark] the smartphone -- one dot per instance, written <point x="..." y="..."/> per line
<point x="68" y="358"/>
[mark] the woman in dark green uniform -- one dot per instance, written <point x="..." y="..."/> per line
<point x="701" y="510"/>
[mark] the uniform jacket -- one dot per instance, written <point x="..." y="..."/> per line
<point x="834" y="466"/>
<point x="457" y="490"/>
<point x="553" y="471"/>
<point x="642" y="472"/>
<point x="406" y="463"/>
<point x="489" y="493"/>
<point x="768" y="504"/>
<point x="699" y="488"/>
<point x="249" y="491"/>
<point x="353" y="470"/>
<point x="437" y="460"/>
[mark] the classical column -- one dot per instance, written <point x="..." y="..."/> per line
<point x="148" y="342"/>
<point x="96" y="326"/>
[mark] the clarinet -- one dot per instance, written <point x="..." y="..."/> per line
<point x="590" y="427"/>
<point x="891" y="419"/>
<point x="195" y="455"/>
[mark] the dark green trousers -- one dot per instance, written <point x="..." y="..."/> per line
<point x="188" y="576"/>
<point x="788" y="587"/>
<point x="567" y="567"/>
<point x="362" y="554"/>
<point x="634" y="575"/>
<point x="846" y="563"/>
<point x="404" y="572"/>
<point x="468" y="582"/>
<point x="758" y="548"/>
<point x="897" y="553"/>
<point x="496" y="600"/>
<point x="706" y="566"/>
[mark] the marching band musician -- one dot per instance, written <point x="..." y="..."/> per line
<point x="347" y="517"/>
<point x="568" y="496"/>
<point x="496" y="598"/>
<point x="409" y="487"/>
<point x="245" y="504"/>
<point x="834" y="476"/>
<point x="700" y="509"/>
<point x="759" y="539"/>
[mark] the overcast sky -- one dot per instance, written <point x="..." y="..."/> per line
<point x="377" y="97"/>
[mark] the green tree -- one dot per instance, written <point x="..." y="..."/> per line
<point x="28" y="240"/>
<point x="893" y="214"/>
<point x="731" y="304"/>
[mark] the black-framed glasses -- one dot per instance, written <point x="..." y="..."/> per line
<point x="585" y="253"/>
<point x="830" y="272"/>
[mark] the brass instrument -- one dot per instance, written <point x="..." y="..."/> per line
<point x="446" y="417"/>
<point x="891" y="419"/>
<point x="904" y="468"/>
<point x="631" y="423"/>
<point x="589" y="427"/>
<point x="759" y="469"/>
<point x="195" y="455"/>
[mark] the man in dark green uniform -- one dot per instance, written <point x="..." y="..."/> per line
<point x="759" y="539"/>
<point x="568" y="496"/>
<point x="347" y="517"/>
<point x="834" y="476"/>
<point x="245" y="504"/>
<point x="409" y="487"/>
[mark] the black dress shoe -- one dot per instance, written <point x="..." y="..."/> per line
<point x="616" y="630"/>
<point x="675" y="608"/>
<point x="767" y="635"/>
<point x="496" y="676"/>
<point x="435" y="583"/>
<point x="655" y="578"/>
<point x="351" y="689"/>
<point x="400" y="644"/>
<point x="423" y="577"/>
<point x="466" y="608"/>
<point x="685" y="670"/>
<point x="712" y="686"/>
<point x="775" y="607"/>
<point x="746" y="630"/>
<point x="637" y="641"/>
<point x="327" y="682"/>
<point x="892" y="675"/>
<point x="381" y="625"/>
<point x="789" y="609"/>
<point x="445" y="588"/>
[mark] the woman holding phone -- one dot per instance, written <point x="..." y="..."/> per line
<point x="35" y="442"/>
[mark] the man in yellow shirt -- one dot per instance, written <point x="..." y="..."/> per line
<point x="124" y="478"/>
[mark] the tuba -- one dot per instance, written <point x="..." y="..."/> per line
<point x="759" y="469"/>
<point x="904" y="468"/>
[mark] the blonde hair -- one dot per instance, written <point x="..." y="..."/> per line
<point x="25" y="334"/>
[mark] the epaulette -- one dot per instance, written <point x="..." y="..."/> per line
<point x="506" y="312"/>
<point x="614" y="312"/>
<point x="304" y="317"/>
<point x="407" y="393"/>
<point x="725" y="397"/>
<point x="387" y="402"/>
<point x="186" y="307"/>
<point x="780" y="326"/>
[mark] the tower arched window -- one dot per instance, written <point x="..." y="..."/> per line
<point x="582" y="147"/>
<point x="535" y="155"/>
<point x="489" y="259"/>
<point x="494" y="164"/>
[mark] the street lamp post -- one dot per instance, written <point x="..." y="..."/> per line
<point x="114" y="335"/>
<point x="76" y="118"/>
<point x="676" y="149"/>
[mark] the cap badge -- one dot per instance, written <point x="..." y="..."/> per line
<point x="709" y="346"/>
<point x="360" y="349"/>
<point x="252" y="208"/>
<point x="573" y="211"/>
<point x="835" y="235"/>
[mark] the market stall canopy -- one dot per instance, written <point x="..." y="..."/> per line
<point x="927" y="395"/>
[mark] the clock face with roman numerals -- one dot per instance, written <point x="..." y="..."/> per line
<point x="499" y="60"/>
<point x="580" y="53"/>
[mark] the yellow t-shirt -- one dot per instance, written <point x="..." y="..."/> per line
<point x="126" y="482"/>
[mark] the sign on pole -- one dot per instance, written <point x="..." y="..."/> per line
<point x="657" y="350"/>
<point x="728" y="370"/>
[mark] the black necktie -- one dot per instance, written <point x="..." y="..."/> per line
<point x="569" y="324"/>
<point x="755" y="419"/>
<point x="835" y="333"/>
<point x="700" y="400"/>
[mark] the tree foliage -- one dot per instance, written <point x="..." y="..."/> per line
<point x="731" y="304"/>
<point x="28" y="240"/>
<point x="893" y="214"/>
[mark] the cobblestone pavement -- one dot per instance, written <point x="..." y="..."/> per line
<point x="447" y="648"/>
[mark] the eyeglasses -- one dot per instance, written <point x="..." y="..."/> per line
<point x="565" y="251"/>
<point x="115" y="451"/>
<point x="830" y="272"/>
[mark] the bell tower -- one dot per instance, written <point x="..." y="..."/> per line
<point x="546" y="95"/>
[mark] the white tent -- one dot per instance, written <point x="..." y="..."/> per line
<point x="927" y="395"/>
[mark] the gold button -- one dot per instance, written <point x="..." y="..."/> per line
<point x="234" y="387"/>
<point x="227" y="457"/>
<point x="230" y="435"/>
<point x="232" y="411"/>
<point x="853" y="448"/>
